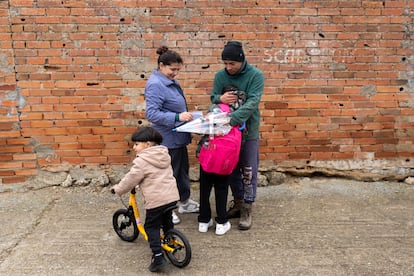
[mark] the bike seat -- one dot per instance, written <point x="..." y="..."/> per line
<point x="171" y="208"/>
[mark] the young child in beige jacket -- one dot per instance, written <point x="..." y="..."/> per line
<point x="152" y="172"/>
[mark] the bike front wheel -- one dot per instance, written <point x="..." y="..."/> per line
<point x="180" y="255"/>
<point x="125" y="225"/>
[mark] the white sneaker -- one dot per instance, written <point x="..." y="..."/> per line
<point x="190" y="207"/>
<point x="175" y="218"/>
<point x="222" y="229"/>
<point x="203" y="226"/>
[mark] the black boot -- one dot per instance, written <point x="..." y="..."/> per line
<point x="157" y="262"/>
<point x="234" y="210"/>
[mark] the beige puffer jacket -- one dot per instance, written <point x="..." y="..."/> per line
<point x="152" y="172"/>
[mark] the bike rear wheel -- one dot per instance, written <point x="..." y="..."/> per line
<point x="181" y="254"/>
<point x="125" y="225"/>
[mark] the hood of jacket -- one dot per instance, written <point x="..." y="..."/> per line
<point x="157" y="156"/>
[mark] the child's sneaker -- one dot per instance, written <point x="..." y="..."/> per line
<point x="175" y="218"/>
<point x="222" y="229"/>
<point x="157" y="262"/>
<point x="190" y="207"/>
<point x="203" y="226"/>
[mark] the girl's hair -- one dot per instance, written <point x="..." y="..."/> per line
<point x="168" y="56"/>
<point x="241" y="96"/>
<point x="147" y="134"/>
<point x="228" y="88"/>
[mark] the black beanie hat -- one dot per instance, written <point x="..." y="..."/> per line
<point x="233" y="51"/>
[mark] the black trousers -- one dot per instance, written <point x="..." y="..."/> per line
<point x="181" y="166"/>
<point x="208" y="181"/>
<point x="155" y="219"/>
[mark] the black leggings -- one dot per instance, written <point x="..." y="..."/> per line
<point x="221" y="190"/>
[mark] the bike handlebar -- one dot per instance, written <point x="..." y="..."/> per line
<point x="133" y="191"/>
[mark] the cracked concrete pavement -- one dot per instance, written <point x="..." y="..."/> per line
<point x="306" y="226"/>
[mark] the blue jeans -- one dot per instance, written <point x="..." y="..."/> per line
<point x="243" y="180"/>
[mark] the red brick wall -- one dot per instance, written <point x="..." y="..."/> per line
<point x="339" y="75"/>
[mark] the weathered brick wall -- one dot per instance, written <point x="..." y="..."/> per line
<point x="339" y="76"/>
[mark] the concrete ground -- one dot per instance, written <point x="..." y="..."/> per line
<point x="304" y="227"/>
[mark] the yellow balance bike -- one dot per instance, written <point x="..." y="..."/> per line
<point x="128" y="226"/>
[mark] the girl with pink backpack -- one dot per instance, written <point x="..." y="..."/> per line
<point x="218" y="156"/>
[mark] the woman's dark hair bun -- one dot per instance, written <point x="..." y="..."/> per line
<point x="167" y="57"/>
<point x="162" y="50"/>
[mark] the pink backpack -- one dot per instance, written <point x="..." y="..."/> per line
<point x="220" y="154"/>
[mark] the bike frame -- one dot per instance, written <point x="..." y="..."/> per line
<point x="133" y="204"/>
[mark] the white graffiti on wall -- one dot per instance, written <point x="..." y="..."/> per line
<point x="286" y="56"/>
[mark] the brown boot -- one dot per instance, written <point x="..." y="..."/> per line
<point x="234" y="210"/>
<point x="245" y="216"/>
